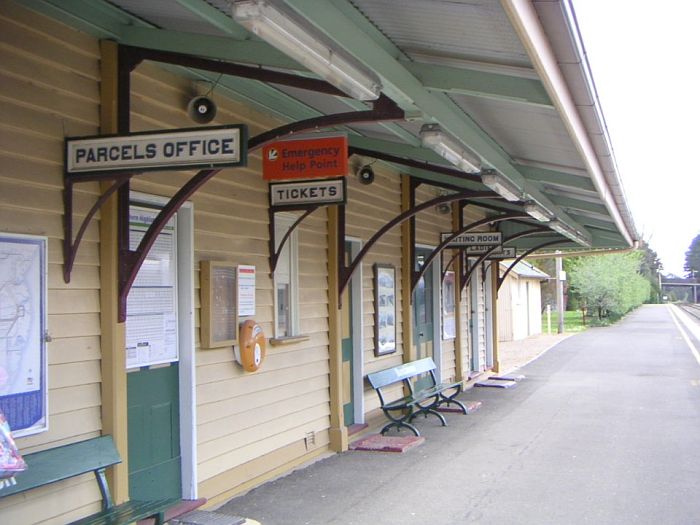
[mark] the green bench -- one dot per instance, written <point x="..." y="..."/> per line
<point x="401" y="412"/>
<point x="92" y="455"/>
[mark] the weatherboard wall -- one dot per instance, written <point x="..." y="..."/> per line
<point x="36" y="112"/>
<point x="250" y="426"/>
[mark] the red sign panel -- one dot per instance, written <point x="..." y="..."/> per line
<point x="309" y="158"/>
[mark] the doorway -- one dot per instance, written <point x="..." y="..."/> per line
<point x="351" y="341"/>
<point x="425" y="302"/>
<point x="160" y="358"/>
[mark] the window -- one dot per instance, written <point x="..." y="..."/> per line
<point x="286" y="279"/>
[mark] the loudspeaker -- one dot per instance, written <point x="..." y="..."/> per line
<point x="366" y="175"/>
<point x="201" y="109"/>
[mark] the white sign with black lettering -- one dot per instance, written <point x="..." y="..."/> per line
<point x="474" y="238"/>
<point x="315" y="192"/>
<point x="504" y="252"/>
<point x="200" y="147"/>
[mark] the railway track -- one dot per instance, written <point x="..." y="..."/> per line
<point x="692" y="309"/>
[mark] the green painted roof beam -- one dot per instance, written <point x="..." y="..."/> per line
<point x="215" y="17"/>
<point x="99" y="19"/>
<point x="559" y="178"/>
<point x="208" y="46"/>
<point x="357" y="36"/>
<point x="594" y="223"/>
<point x="578" y="204"/>
<point x="479" y="83"/>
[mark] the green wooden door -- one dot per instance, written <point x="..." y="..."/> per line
<point x="347" y="348"/>
<point x="154" y="435"/>
<point x="423" y="312"/>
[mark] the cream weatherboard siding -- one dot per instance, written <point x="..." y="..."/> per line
<point x="48" y="89"/>
<point x="243" y="418"/>
<point x="369" y="208"/>
<point x="249" y="426"/>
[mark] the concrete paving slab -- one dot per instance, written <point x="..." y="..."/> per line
<point x="495" y="383"/>
<point x="380" y="443"/>
<point x="604" y="431"/>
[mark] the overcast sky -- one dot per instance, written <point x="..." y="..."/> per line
<point x="644" y="58"/>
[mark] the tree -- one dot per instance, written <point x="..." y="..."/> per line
<point x="692" y="259"/>
<point x="610" y="284"/>
<point x="650" y="268"/>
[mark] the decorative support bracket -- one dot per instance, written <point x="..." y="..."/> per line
<point x="346" y="272"/>
<point x="437" y="251"/>
<point x="464" y="279"/>
<point x="501" y="279"/>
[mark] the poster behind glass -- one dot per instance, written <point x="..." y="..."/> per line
<point x="384" y="309"/>
<point x="151" y="321"/>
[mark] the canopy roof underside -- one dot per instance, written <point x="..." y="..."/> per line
<point x="509" y="79"/>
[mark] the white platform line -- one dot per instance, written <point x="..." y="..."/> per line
<point x="690" y="326"/>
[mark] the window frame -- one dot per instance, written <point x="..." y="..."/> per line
<point x="283" y="222"/>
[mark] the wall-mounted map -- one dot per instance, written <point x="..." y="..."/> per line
<point x="23" y="389"/>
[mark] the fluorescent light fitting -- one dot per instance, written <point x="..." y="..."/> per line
<point x="569" y="233"/>
<point x="537" y="212"/>
<point x="449" y="148"/>
<point x="502" y="186"/>
<point x="281" y="28"/>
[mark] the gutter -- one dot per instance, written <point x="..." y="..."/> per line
<point x="634" y="247"/>
<point x="527" y="25"/>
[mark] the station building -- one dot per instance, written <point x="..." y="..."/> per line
<point x="459" y="119"/>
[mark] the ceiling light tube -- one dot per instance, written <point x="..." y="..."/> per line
<point x="537" y="212"/>
<point x="502" y="186"/>
<point x="569" y="233"/>
<point x="299" y="40"/>
<point x="449" y="148"/>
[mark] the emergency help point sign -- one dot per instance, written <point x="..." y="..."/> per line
<point x="183" y="148"/>
<point x="311" y="157"/>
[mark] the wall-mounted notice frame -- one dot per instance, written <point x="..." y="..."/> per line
<point x="151" y="320"/>
<point x="23" y="291"/>
<point x="384" y="309"/>
<point x="219" y="304"/>
<point x="448" y="306"/>
<point x="246" y="290"/>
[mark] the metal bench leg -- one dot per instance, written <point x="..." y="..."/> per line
<point x="429" y="410"/>
<point x="448" y="400"/>
<point x="399" y="422"/>
<point x="399" y="425"/>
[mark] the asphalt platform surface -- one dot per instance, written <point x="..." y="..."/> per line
<point x="605" y="429"/>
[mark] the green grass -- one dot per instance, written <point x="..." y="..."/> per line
<point x="573" y="322"/>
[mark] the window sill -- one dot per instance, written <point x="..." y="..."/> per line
<point x="290" y="340"/>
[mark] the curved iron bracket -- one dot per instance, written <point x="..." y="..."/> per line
<point x="346" y="272"/>
<point x="130" y="261"/>
<point x="502" y="279"/>
<point x="70" y="246"/>
<point x="275" y="253"/>
<point x="464" y="279"/>
<point x="417" y="276"/>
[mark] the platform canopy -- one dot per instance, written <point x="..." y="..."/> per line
<point x="507" y="83"/>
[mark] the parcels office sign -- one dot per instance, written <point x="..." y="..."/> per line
<point x="182" y="148"/>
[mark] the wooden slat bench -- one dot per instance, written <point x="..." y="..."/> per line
<point x="92" y="455"/>
<point x="424" y="401"/>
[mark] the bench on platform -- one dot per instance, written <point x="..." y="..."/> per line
<point x="92" y="455"/>
<point x="418" y="401"/>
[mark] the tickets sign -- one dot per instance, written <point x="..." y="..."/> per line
<point x="314" y="157"/>
<point x="295" y="194"/>
<point x="183" y="149"/>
